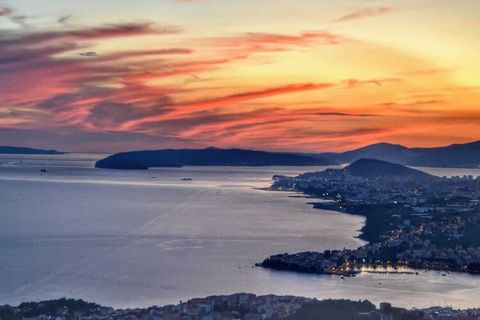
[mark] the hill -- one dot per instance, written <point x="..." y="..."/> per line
<point x="141" y="160"/>
<point x="374" y="169"/>
<point x="453" y="156"/>
<point x="22" y="150"/>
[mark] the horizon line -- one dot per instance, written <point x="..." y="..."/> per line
<point x="244" y="148"/>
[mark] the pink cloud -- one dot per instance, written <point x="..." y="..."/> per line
<point x="230" y="100"/>
<point x="256" y="42"/>
<point x="354" y="83"/>
<point x="5" y="11"/>
<point x="55" y="80"/>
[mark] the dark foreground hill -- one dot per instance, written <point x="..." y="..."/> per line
<point x="21" y="150"/>
<point x="141" y="160"/>
<point x="374" y="169"/>
<point x="371" y="169"/>
<point x="453" y="156"/>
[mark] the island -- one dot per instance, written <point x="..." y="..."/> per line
<point x="241" y="306"/>
<point x="24" y="150"/>
<point x="141" y="160"/>
<point x="414" y="221"/>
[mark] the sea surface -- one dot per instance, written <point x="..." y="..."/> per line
<point x="138" y="238"/>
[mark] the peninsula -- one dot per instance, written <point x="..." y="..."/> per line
<point x="413" y="220"/>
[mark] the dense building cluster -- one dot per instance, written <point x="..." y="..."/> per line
<point x="237" y="306"/>
<point x="413" y="220"/>
<point x="241" y="306"/>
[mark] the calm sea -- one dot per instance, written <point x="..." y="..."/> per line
<point x="137" y="238"/>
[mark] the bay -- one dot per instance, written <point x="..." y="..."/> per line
<point x="137" y="238"/>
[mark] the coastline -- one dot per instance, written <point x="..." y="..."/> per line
<point x="381" y="254"/>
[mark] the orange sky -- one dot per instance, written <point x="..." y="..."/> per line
<point x="302" y="75"/>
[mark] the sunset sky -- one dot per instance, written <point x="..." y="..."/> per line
<point x="299" y="75"/>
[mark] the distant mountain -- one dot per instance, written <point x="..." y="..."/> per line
<point x="453" y="156"/>
<point x="21" y="150"/>
<point x="382" y="151"/>
<point x="205" y="157"/>
<point x="374" y="169"/>
<point x="456" y="155"/>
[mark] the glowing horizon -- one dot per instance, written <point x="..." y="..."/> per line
<point x="303" y="75"/>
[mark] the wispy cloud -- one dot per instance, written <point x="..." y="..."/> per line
<point x="276" y="42"/>
<point x="49" y="71"/>
<point x="353" y="83"/>
<point x="365" y="13"/>
<point x="64" y="19"/>
<point x="5" y="11"/>
<point x="344" y="114"/>
<point x="156" y="85"/>
<point x="20" y="20"/>
<point x="233" y="99"/>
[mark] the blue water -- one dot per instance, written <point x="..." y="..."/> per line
<point x="137" y="238"/>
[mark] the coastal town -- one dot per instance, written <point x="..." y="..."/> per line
<point x="240" y="306"/>
<point x="414" y="221"/>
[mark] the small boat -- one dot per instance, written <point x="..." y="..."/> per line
<point x="43" y="170"/>
<point x="186" y="179"/>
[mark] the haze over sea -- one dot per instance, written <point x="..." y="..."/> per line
<point x="137" y="238"/>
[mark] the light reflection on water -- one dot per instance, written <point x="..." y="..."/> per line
<point x="136" y="238"/>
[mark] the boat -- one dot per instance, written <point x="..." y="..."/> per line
<point x="187" y="179"/>
<point x="43" y="170"/>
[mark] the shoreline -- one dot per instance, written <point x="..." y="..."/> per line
<point x="374" y="254"/>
